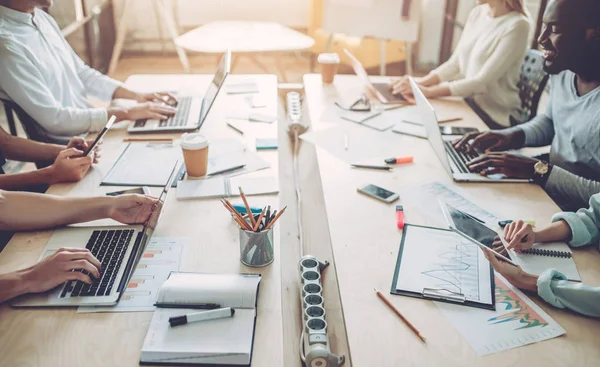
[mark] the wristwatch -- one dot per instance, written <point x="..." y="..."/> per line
<point x="541" y="171"/>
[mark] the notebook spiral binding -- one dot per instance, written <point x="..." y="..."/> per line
<point x="550" y="253"/>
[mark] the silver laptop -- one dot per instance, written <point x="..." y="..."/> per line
<point x="454" y="161"/>
<point x="191" y="111"/>
<point x="118" y="248"/>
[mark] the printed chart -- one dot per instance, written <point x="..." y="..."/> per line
<point x="516" y="322"/>
<point x="162" y="256"/>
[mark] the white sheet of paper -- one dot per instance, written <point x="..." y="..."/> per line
<point x="443" y="260"/>
<point x="516" y="322"/>
<point x="407" y="128"/>
<point x="162" y="256"/>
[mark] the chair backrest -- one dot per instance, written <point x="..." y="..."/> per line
<point x="33" y="130"/>
<point x="531" y="85"/>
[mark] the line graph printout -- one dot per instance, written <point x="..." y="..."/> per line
<point x="442" y="260"/>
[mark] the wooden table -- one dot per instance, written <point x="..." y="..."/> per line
<point x="61" y="337"/>
<point x="365" y="244"/>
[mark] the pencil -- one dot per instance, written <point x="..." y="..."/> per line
<point x="451" y="120"/>
<point x="247" y="206"/>
<point x="237" y="216"/>
<point x="166" y="140"/>
<point x="408" y="323"/>
<point x="259" y="220"/>
<point x="271" y="223"/>
<point x="235" y="128"/>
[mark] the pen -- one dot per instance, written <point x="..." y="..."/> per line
<point x="399" y="160"/>
<point x="346" y="141"/>
<point x="397" y="312"/>
<point x="219" y="313"/>
<point x="163" y="140"/>
<point x="368" y="166"/>
<point x="235" y="128"/>
<point x="227" y="170"/>
<point x="504" y="223"/>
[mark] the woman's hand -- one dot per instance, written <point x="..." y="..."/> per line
<point x="519" y="235"/>
<point x="131" y="209"/>
<point x="514" y="274"/>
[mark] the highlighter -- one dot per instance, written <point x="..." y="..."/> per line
<point x="399" y="216"/>
<point x="400" y="160"/>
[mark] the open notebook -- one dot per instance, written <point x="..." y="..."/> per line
<point x="226" y="341"/>
<point x="555" y="255"/>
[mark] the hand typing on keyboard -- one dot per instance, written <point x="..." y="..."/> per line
<point x="64" y="265"/>
<point x="509" y="164"/>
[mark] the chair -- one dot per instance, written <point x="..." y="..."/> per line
<point x="531" y="85"/>
<point x="33" y="130"/>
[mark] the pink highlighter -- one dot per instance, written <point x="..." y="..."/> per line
<point x="399" y="216"/>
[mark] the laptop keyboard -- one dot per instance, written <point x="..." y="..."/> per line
<point x="179" y="119"/>
<point x="460" y="157"/>
<point x="109" y="247"/>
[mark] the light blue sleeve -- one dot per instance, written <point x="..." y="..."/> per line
<point x="555" y="289"/>
<point x="584" y="224"/>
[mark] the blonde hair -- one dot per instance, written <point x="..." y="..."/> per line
<point x="518" y="6"/>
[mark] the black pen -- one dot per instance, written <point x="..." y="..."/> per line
<point x="227" y="170"/>
<point x="368" y="166"/>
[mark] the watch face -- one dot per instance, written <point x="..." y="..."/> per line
<point x="541" y="168"/>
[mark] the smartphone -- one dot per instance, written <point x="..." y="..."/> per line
<point x="455" y="130"/>
<point x="101" y="134"/>
<point x="137" y="190"/>
<point x="379" y="193"/>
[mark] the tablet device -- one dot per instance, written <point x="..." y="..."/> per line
<point x="473" y="230"/>
<point x="101" y="134"/>
<point x="144" y="190"/>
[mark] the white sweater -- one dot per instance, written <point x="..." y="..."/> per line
<point x="487" y="60"/>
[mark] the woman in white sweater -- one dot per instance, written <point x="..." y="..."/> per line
<point x="486" y="64"/>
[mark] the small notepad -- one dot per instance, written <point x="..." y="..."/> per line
<point x="540" y="257"/>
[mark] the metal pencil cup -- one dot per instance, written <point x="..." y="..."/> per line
<point x="256" y="249"/>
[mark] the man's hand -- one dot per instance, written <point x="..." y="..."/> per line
<point x="83" y="145"/>
<point x="488" y="141"/>
<point x="519" y="235"/>
<point x="131" y="209"/>
<point x="514" y="274"/>
<point x="157" y="97"/>
<point x="70" y="166"/>
<point x="58" y="268"/>
<point x="511" y="165"/>
<point x="146" y="110"/>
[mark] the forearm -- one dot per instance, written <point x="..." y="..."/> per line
<point x="437" y="91"/>
<point x="558" y="231"/>
<point x="26" y="150"/>
<point x="429" y="80"/>
<point x="25" y="211"/>
<point x="124" y="93"/>
<point x="555" y="289"/>
<point x="20" y="181"/>
<point x="12" y="285"/>
<point x="571" y="191"/>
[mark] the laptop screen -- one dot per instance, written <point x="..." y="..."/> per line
<point x="215" y="85"/>
<point x="150" y="225"/>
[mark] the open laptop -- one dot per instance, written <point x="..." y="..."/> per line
<point x="381" y="90"/>
<point x="454" y="161"/>
<point x="191" y="111"/>
<point x="118" y="248"/>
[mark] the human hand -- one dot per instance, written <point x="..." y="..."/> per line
<point x="150" y="110"/>
<point x="60" y="267"/>
<point x="83" y="145"/>
<point x="400" y="85"/>
<point x="488" y="141"/>
<point x="511" y="165"/>
<point x="519" y="235"/>
<point x="157" y="97"/>
<point x="514" y="274"/>
<point x="70" y="166"/>
<point x="498" y="246"/>
<point x="131" y="209"/>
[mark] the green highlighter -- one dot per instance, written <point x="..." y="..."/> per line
<point x="266" y="144"/>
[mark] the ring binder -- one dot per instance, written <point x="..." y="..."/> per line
<point x="545" y="252"/>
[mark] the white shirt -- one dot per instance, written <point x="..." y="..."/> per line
<point x="42" y="74"/>
<point x="487" y="62"/>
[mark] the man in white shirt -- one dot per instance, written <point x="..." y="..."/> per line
<point x="43" y="75"/>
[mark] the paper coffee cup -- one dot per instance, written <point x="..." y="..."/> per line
<point x="195" y="154"/>
<point x="329" y="64"/>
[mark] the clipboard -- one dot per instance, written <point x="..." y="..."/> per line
<point x="436" y="268"/>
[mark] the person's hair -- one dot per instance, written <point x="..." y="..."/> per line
<point x="518" y="6"/>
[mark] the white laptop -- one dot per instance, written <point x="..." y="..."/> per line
<point x="454" y="161"/>
<point x="118" y="248"/>
<point x="191" y="111"/>
<point x="381" y="90"/>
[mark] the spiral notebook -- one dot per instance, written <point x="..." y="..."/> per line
<point x="554" y="255"/>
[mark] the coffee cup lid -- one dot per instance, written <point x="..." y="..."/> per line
<point x="329" y="58"/>
<point x="193" y="141"/>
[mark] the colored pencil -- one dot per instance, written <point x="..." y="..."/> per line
<point x="397" y="312"/>
<point x="271" y="223"/>
<point x="247" y="206"/>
